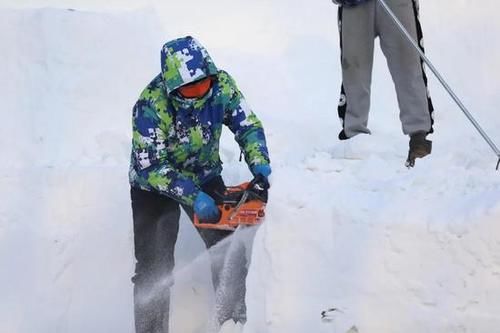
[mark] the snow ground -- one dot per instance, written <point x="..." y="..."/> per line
<point x="395" y="250"/>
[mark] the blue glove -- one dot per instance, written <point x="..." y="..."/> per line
<point x="263" y="169"/>
<point x="205" y="207"/>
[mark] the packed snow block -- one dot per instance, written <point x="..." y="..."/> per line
<point x="392" y="251"/>
<point x="68" y="81"/>
<point x="71" y="78"/>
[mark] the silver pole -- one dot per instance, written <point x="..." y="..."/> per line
<point x="441" y="79"/>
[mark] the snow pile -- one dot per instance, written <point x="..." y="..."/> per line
<point x="68" y="79"/>
<point x="394" y="250"/>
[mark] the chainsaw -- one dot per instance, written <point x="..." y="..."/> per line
<point x="240" y="205"/>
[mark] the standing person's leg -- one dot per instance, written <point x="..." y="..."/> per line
<point x="156" y="224"/>
<point x="405" y="65"/>
<point x="210" y="237"/>
<point x="233" y="306"/>
<point x="217" y="261"/>
<point x="357" y="33"/>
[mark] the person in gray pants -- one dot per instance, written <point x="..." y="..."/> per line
<point x="360" y="22"/>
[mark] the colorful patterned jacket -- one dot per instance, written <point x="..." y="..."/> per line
<point x="175" y="145"/>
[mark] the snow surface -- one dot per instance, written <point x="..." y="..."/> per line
<point x="395" y="250"/>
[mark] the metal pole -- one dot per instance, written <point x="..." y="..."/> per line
<point x="441" y="79"/>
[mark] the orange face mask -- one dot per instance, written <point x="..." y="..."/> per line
<point x="197" y="89"/>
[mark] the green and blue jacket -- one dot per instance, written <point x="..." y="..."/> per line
<point x="175" y="145"/>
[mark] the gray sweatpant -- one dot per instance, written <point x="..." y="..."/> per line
<point x="359" y="26"/>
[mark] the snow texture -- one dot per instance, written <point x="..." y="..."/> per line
<point x="394" y="250"/>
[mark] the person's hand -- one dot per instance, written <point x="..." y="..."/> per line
<point x="262" y="169"/>
<point x="205" y="207"/>
<point x="259" y="186"/>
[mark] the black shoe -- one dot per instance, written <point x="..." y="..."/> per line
<point x="419" y="147"/>
<point x="342" y="136"/>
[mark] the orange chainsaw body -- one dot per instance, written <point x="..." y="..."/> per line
<point x="237" y="208"/>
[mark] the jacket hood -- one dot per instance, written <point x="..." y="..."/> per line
<point x="183" y="61"/>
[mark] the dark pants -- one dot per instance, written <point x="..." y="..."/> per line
<point x="156" y="224"/>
